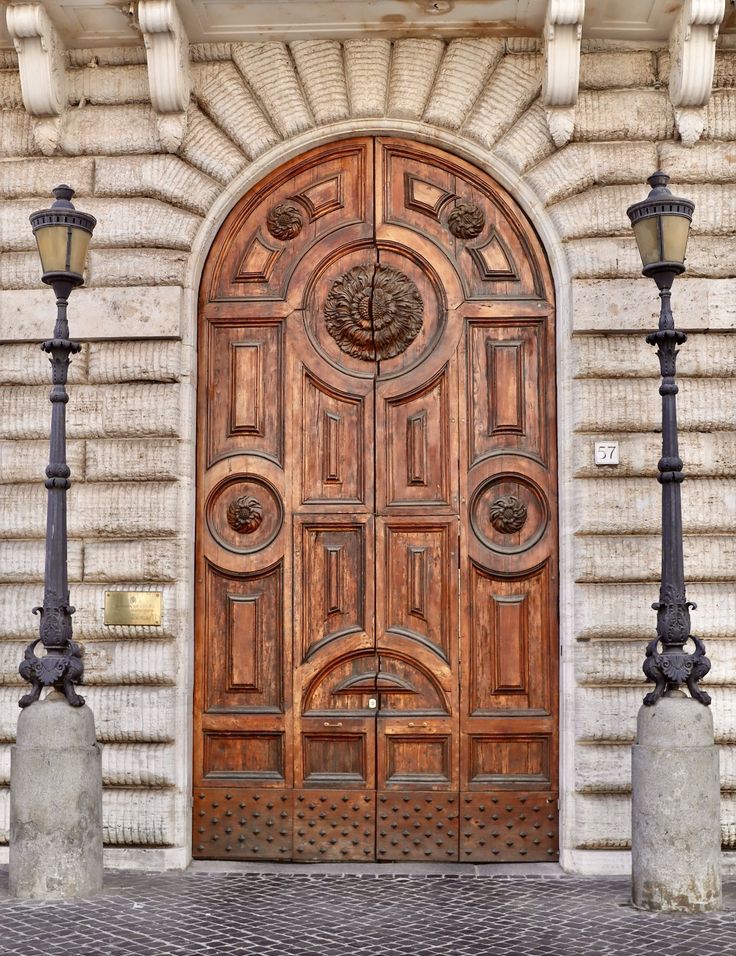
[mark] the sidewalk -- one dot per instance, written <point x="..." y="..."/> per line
<point x="359" y="911"/>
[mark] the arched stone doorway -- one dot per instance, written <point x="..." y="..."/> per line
<point x="376" y="608"/>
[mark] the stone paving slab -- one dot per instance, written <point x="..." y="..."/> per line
<point x="384" y="911"/>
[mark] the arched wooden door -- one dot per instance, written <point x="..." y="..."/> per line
<point x="376" y="640"/>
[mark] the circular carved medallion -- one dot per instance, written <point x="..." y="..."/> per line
<point x="373" y="312"/>
<point x="245" y="514"/>
<point x="466" y="220"/>
<point x="508" y="514"/>
<point x="284" y="221"/>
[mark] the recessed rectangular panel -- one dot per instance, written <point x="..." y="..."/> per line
<point x="417" y="574"/>
<point x="418" y="825"/>
<point x="334" y="825"/>
<point x="244" y="630"/>
<point x="243" y="646"/>
<point x="509" y="662"/>
<point x="333" y="757"/>
<point x="509" y="826"/>
<point x="245" y="409"/>
<point x="331" y="568"/>
<point x="520" y="761"/>
<point x="418" y="438"/>
<point x="244" y="755"/>
<point x="418" y="759"/>
<point x="507" y="379"/>
<point x="332" y="444"/>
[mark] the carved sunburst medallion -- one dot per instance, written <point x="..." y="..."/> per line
<point x="374" y="312"/>
<point x="508" y="514"/>
<point x="245" y="514"/>
<point x="466" y="221"/>
<point x="284" y="221"/>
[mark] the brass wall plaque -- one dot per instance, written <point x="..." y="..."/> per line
<point x="133" y="608"/>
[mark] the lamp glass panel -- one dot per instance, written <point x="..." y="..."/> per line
<point x="80" y="245"/>
<point x="647" y="239"/>
<point x="675" y="232"/>
<point x="52" y="243"/>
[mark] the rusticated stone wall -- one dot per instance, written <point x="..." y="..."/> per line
<point x="131" y="420"/>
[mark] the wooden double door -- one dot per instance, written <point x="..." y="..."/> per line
<point x="376" y="641"/>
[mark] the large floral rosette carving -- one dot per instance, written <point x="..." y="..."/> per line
<point x="373" y="312"/>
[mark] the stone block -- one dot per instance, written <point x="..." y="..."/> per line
<point x="108" y="85"/>
<point x="607" y="769"/>
<point x="225" y="98"/>
<point x="209" y="149"/>
<point x="711" y="455"/>
<point x="625" y="305"/>
<point x="138" y="817"/>
<point x="27" y="364"/>
<point x="37" y="177"/>
<point x="11" y="96"/>
<point x="617" y="611"/>
<point x="618" y="258"/>
<point x="465" y="67"/>
<point x="141" y="267"/>
<point x="619" y="70"/>
<point x="414" y="65"/>
<point x="153" y="560"/>
<point x="123" y="765"/>
<point x="367" y="64"/>
<point x="528" y="142"/>
<point x="633" y="506"/>
<point x="109" y="131"/>
<point x="706" y="162"/>
<point x="623" y="114"/>
<point x="101" y="56"/>
<point x="166" y="178"/>
<point x="720" y="116"/>
<point x="144" y="459"/>
<point x="122" y="714"/>
<point x="596" y="212"/>
<point x="601" y="663"/>
<point x="16" y="134"/>
<point x="322" y="74"/>
<point x="623" y="558"/>
<point x="26" y="460"/>
<point x="609" y="713"/>
<point x="512" y="88"/>
<point x="602" y="822"/>
<point x="124" y="313"/>
<point x="23" y="561"/>
<point x="705" y="355"/>
<point x="106" y="662"/>
<point x="724" y="69"/>
<point x="110" y="509"/>
<point x="632" y="405"/>
<point x="119" y="411"/>
<point x="19" y="270"/>
<point x="579" y="166"/>
<point x="270" y="73"/>
<point x="143" y="361"/>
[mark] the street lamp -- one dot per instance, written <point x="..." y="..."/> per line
<point x="62" y="235"/>
<point x="661" y="225"/>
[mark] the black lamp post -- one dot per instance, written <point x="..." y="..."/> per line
<point x="62" y="235"/>
<point x="661" y="225"/>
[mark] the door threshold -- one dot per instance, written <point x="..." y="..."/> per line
<point x="469" y="870"/>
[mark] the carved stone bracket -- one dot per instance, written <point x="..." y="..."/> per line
<point x="42" y="65"/>
<point x="167" y="52"/>
<point x="692" y="59"/>
<point x="562" y="32"/>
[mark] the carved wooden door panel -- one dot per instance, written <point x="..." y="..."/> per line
<point x="376" y="540"/>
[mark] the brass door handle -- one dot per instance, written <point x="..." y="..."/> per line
<point x="328" y="724"/>
<point x="424" y="723"/>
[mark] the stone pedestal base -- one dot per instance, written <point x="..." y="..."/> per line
<point x="676" y="831"/>
<point x="55" y="803"/>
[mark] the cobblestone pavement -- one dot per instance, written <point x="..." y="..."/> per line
<point x="310" y="912"/>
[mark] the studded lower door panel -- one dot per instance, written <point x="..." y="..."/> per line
<point x="352" y="825"/>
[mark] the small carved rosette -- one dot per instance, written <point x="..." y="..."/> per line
<point x="284" y="221"/>
<point x="466" y="221"/>
<point x="374" y="312"/>
<point x="508" y="514"/>
<point x="245" y="514"/>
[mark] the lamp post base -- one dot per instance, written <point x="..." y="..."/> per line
<point x="676" y="830"/>
<point x="55" y="803"/>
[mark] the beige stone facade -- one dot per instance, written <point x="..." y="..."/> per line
<point x="131" y="413"/>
